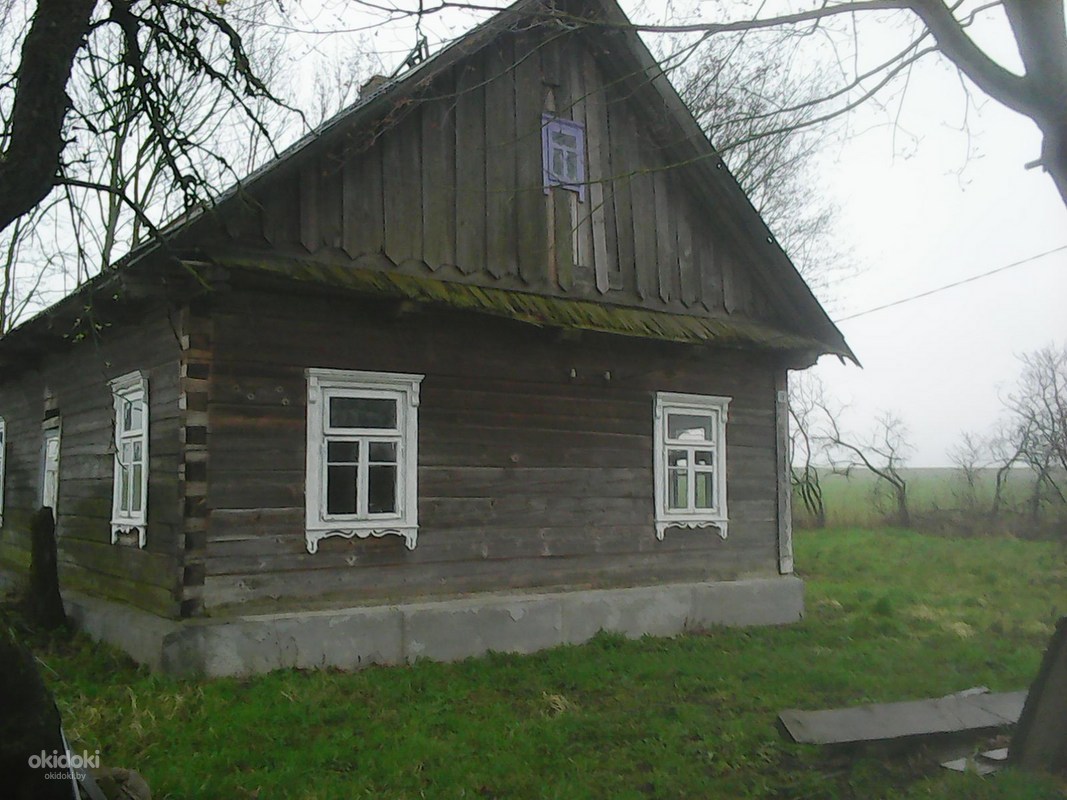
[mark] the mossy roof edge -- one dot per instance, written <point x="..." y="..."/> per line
<point x="536" y="309"/>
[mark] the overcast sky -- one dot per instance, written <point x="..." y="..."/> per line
<point x="929" y="209"/>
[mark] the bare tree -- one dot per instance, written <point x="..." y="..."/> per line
<point x="755" y="106"/>
<point x="145" y="53"/>
<point x="883" y="453"/>
<point x="936" y="27"/>
<point x="1038" y="413"/>
<point x="808" y="408"/>
<point x="970" y="455"/>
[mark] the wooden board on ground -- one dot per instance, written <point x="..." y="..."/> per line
<point x="971" y="711"/>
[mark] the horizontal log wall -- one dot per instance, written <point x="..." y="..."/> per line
<point x="528" y="476"/>
<point x="76" y="385"/>
<point x="451" y="185"/>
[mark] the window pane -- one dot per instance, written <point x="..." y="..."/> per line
<point x="135" y="415"/>
<point x="704" y="489"/>
<point x="342" y="452"/>
<point x="137" y="451"/>
<point x="383" y="452"/>
<point x="124" y="489"/>
<point x="689" y="427"/>
<point x="341" y="489"/>
<point x="677" y="458"/>
<point x="677" y="489"/>
<point x="572" y="166"/>
<point x="362" y="412"/>
<point x="127" y="454"/>
<point x="135" y="489"/>
<point x="559" y="163"/>
<point x="381" y="491"/>
<point x="565" y="140"/>
<point x="704" y="458"/>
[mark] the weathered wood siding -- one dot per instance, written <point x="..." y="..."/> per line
<point x="527" y="476"/>
<point x="75" y="381"/>
<point x="451" y="185"/>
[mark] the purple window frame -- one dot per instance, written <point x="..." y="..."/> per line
<point x="549" y="124"/>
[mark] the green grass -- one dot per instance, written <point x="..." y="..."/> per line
<point x="891" y="615"/>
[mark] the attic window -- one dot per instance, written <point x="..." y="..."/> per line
<point x="563" y="154"/>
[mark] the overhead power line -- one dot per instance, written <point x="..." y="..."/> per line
<point x="953" y="285"/>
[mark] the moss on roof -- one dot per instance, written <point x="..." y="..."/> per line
<point x="535" y="308"/>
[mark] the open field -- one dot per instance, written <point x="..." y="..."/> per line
<point x="891" y="615"/>
<point x="856" y="500"/>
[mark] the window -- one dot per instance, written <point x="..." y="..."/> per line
<point x="563" y="154"/>
<point x="3" y="463"/>
<point x="129" y="512"/>
<point x="362" y="455"/>
<point x="690" y="465"/>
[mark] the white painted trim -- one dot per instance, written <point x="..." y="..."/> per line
<point x="124" y="388"/>
<point x="53" y="430"/>
<point x="404" y="388"/>
<point x="668" y="402"/>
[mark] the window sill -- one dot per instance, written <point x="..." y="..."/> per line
<point x="691" y="523"/>
<point x="313" y="536"/>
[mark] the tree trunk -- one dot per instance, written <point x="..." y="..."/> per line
<point x="45" y="604"/>
<point x="35" y="139"/>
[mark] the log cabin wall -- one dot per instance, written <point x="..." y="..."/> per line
<point x="528" y="477"/>
<point x="451" y="185"/>
<point x="70" y="384"/>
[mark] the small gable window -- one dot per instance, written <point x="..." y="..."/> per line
<point x="129" y="507"/>
<point x="563" y="154"/>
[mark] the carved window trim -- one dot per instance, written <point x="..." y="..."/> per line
<point x="130" y="522"/>
<point x="716" y="410"/>
<point x="324" y="385"/>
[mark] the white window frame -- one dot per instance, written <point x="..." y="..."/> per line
<point x="3" y="465"/>
<point x="126" y="389"/>
<point x="549" y="125"/>
<point x="325" y="384"/>
<point x="703" y="405"/>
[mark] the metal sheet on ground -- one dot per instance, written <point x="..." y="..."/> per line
<point x="965" y="711"/>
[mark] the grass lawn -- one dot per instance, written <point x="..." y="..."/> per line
<point x="891" y="615"/>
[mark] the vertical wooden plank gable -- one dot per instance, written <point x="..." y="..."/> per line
<point x="601" y="204"/>
<point x="688" y="258"/>
<point x="500" y="153"/>
<point x="574" y="74"/>
<point x="710" y="270"/>
<point x="558" y="202"/>
<point x="439" y="175"/>
<point x="330" y="200"/>
<point x="470" y="167"/>
<point x="625" y="163"/>
<point x="309" y="207"/>
<point x="666" y="242"/>
<point x="529" y="177"/>
<point x="403" y="189"/>
<point x="364" y="215"/>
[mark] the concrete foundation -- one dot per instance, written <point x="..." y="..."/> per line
<point x="440" y="630"/>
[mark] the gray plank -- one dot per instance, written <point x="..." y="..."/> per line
<point x="879" y="722"/>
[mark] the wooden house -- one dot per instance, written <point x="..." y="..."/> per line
<point x="495" y="359"/>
